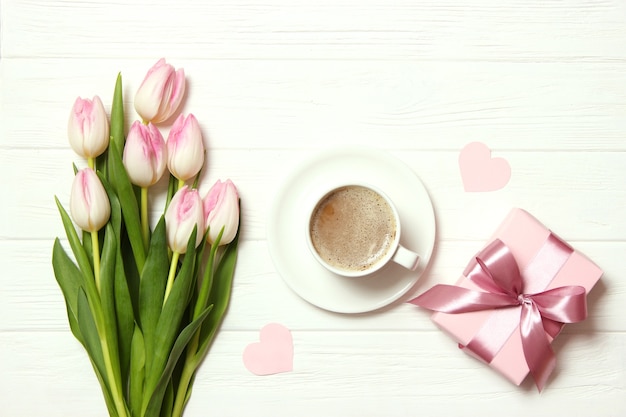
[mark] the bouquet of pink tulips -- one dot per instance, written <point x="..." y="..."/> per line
<point x="145" y="302"/>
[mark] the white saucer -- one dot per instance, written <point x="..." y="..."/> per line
<point x="287" y="224"/>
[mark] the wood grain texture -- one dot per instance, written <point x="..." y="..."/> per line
<point x="368" y="373"/>
<point x="412" y="104"/>
<point x="542" y="83"/>
<point x="511" y="30"/>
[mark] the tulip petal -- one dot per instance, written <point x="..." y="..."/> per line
<point x="221" y="206"/>
<point x="185" y="148"/>
<point x="161" y="92"/>
<point x="88" y="127"/>
<point x="183" y="215"/>
<point x="89" y="202"/>
<point x="145" y="154"/>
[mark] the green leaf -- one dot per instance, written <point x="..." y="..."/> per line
<point x="190" y="387"/>
<point x="90" y="332"/>
<point x="183" y="339"/>
<point x="137" y="372"/>
<point x="127" y="266"/>
<point x="171" y="315"/>
<point x="206" y="283"/>
<point x="128" y="201"/>
<point x="200" y="251"/>
<point x="88" y="286"/>
<point x="107" y="297"/>
<point x="74" y="327"/>
<point x="176" y="303"/>
<point x="77" y="248"/>
<point x="108" y="399"/>
<point x="167" y="404"/>
<point x="116" y="127"/>
<point x="70" y="280"/>
<point x="102" y="162"/>
<point x="88" y="283"/>
<point x="87" y="245"/>
<point x="125" y="318"/>
<point x="220" y="296"/>
<point x="152" y="287"/>
<point x="124" y="311"/>
<point x="132" y="274"/>
<point x="88" y="308"/>
<point x="117" y="116"/>
<point x="116" y="208"/>
<point x="107" y="278"/>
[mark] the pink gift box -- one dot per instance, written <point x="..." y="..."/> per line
<point x="525" y="236"/>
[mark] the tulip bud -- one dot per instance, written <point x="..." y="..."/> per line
<point x="185" y="148"/>
<point x="88" y="127"/>
<point x="160" y="93"/>
<point x="145" y="154"/>
<point x="182" y="215"/>
<point x="89" y="203"/>
<point x="221" y="206"/>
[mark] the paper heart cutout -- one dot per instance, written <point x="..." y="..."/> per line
<point x="273" y="353"/>
<point x="481" y="172"/>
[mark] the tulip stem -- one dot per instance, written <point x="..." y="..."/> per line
<point x="95" y="245"/>
<point x="172" y="274"/>
<point x="116" y="390"/>
<point x="145" y="223"/>
<point x="192" y="349"/>
<point x="181" y="184"/>
<point x="91" y="162"/>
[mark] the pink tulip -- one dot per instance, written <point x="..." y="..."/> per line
<point x="185" y="148"/>
<point x="145" y="154"/>
<point x="88" y="127"/>
<point x="89" y="203"/>
<point x="182" y="215"/>
<point x="221" y="206"/>
<point x="160" y="93"/>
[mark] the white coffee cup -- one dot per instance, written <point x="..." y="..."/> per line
<point x="353" y="230"/>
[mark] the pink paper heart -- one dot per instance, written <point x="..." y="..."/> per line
<point x="481" y="172"/>
<point x="273" y="353"/>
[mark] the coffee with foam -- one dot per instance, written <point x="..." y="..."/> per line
<point x="353" y="228"/>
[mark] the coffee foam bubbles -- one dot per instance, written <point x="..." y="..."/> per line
<point x="353" y="228"/>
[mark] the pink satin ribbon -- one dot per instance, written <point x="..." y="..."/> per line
<point x="543" y="313"/>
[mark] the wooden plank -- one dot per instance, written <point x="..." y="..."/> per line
<point x="271" y="81"/>
<point x="299" y="104"/>
<point x="369" y="373"/>
<point x="372" y="29"/>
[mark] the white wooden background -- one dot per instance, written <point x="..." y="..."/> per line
<point x="542" y="82"/>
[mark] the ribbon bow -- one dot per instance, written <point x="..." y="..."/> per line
<point x="496" y="272"/>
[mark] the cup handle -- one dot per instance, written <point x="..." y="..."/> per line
<point x="406" y="258"/>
